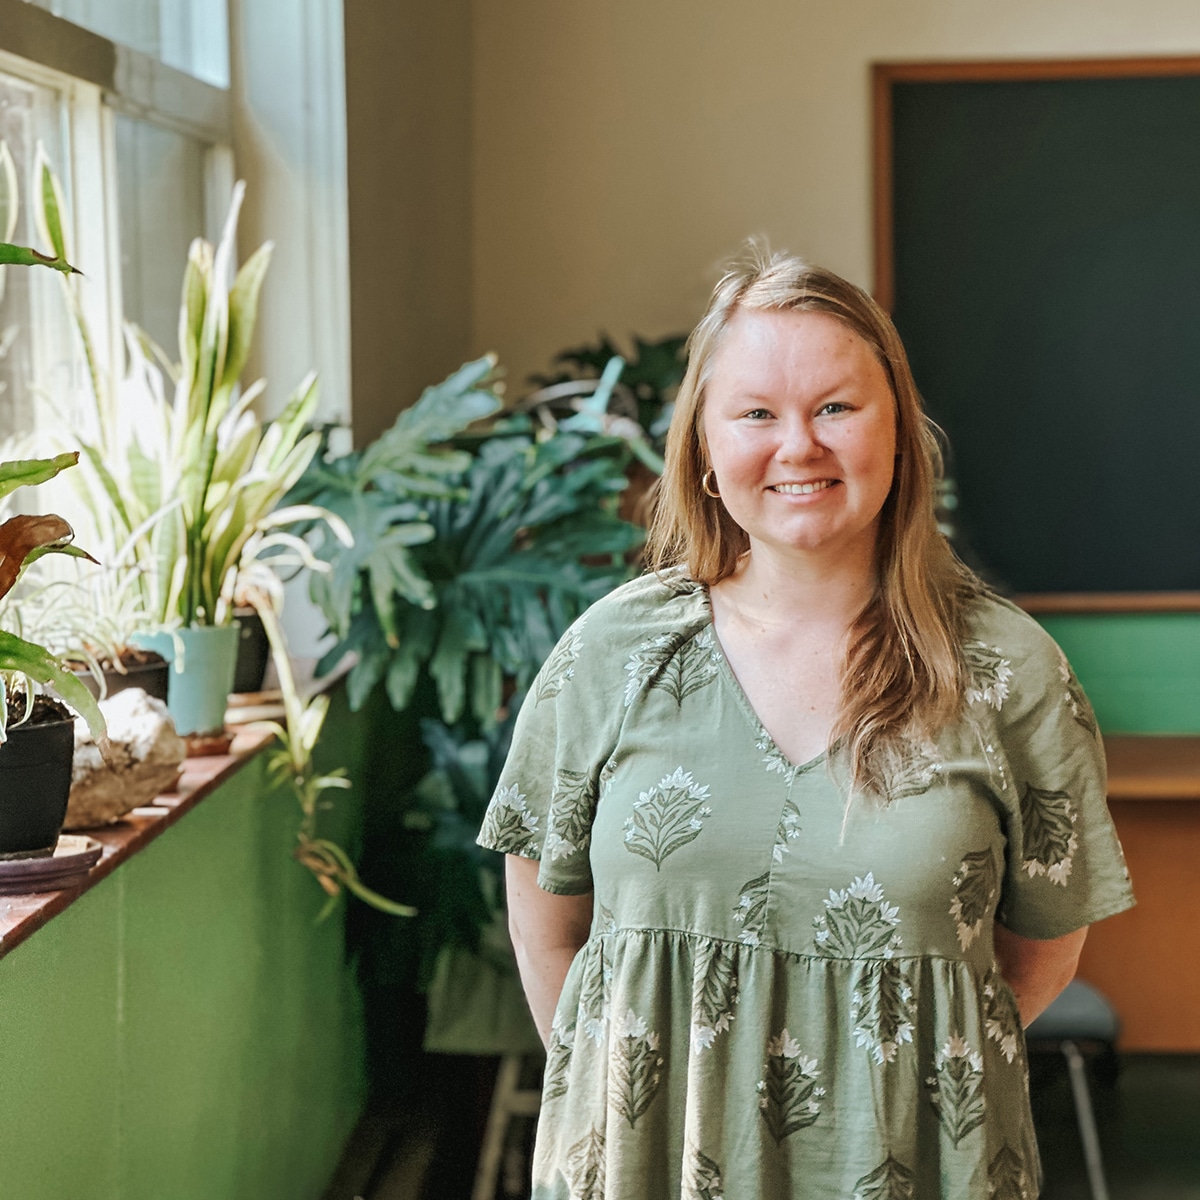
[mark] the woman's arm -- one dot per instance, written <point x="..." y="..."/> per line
<point x="1037" y="970"/>
<point x="547" y="932"/>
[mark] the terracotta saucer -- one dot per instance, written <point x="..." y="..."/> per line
<point x="67" y="867"/>
<point x="204" y="745"/>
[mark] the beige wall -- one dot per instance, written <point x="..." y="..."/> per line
<point x="624" y="148"/>
<point x="408" y="118"/>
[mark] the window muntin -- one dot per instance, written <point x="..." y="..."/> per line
<point x="190" y="35"/>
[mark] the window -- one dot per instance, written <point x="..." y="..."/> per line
<point x="161" y="184"/>
<point x="142" y="150"/>
<point x="33" y="322"/>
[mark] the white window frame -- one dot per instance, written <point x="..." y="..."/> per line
<point x="97" y="79"/>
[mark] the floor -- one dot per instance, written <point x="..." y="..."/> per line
<point x="1149" y="1122"/>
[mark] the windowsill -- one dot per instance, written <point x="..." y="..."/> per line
<point x="21" y="916"/>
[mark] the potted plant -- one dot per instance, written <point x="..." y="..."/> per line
<point x="450" y="603"/>
<point x="600" y="390"/>
<point x="86" y="621"/>
<point x="90" y="623"/>
<point x="36" y="748"/>
<point x="37" y="734"/>
<point x="184" y="478"/>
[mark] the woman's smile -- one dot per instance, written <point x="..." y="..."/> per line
<point x="802" y="489"/>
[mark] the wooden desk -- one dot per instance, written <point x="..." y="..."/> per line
<point x="1147" y="960"/>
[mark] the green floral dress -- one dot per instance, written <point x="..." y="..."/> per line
<point x="779" y="999"/>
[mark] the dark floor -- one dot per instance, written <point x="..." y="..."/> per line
<point x="1149" y="1122"/>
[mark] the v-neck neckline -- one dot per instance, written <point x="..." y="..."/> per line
<point x="727" y="673"/>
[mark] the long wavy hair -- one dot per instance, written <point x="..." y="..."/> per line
<point x="905" y="674"/>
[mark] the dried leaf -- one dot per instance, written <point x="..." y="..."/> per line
<point x="20" y="536"/>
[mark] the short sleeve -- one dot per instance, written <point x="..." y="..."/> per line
<point x="545" y="802"/>
<point x="1064" y="868"/>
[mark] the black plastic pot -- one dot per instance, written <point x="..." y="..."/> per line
<point x="253" y="652"/>
<point x="152" y="677"/>
<point x="35" y="782"/>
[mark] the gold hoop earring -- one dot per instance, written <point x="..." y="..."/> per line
<point x="708" y="484"/>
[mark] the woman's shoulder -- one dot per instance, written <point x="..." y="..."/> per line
<point x="652" y="605"/>
<point x="653" y="614"/>
<point x="993" y="619"/>
<point x="1008" y="651"/>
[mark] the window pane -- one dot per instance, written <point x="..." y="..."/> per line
<point x="36" y="352"/>
<point x="160" y="201"/>
<point x="192" y="35"/>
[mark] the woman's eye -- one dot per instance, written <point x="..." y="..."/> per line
<point x="758" y="414"/>
<point x="835" y="407"/>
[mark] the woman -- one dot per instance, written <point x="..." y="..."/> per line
<point x="804" y="827"/>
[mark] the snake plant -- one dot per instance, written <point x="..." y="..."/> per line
<point x="184" y="479"/>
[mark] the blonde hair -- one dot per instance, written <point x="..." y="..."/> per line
<point x="905" y="674"/>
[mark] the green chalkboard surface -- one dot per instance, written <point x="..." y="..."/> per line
<point x="1046" y="256"/>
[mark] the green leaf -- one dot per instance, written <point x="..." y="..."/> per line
<point x="448" y="667"/>
<point x="192" y="306"/>
<point x="402" y="676"/>
<point x="109" y="485"/>
<point x="25" y="472"/>
<point x="283" y="434"/>
<point x="487" y="688"/>
<point x="243" y="313"/>
<point x="365" y="675"/>
<point x="23" y="256"/>
<point x="442" y="411"/>
<point x="17" y="654"/>
<point x="51" y="207"/>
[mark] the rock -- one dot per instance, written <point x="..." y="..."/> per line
<point x="144" y="760"/>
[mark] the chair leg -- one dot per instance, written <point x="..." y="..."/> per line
<point x="1087" y="1120"/>
<point x="509" y="1100"/>
<point x="488" y="1171"/>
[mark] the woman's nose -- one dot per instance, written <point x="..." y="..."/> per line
<point x="798" y="441"/>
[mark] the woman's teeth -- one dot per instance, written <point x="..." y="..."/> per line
<point x="802" y="489"/>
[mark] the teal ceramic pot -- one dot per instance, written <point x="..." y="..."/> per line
<point x="202" y="658"/>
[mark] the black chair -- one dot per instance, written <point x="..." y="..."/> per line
<point x="1081" y="1019"/>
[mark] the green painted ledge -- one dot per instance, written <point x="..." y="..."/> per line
<point x="185" y="1031"/>
<point x="1141" y="671"/>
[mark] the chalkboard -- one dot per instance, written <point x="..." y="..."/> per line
<point x="1044" y="273"/>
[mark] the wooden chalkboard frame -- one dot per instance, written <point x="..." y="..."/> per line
<point x="884" y="76"/>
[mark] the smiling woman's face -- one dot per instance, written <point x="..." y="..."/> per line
<point x="800" y="426"/>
